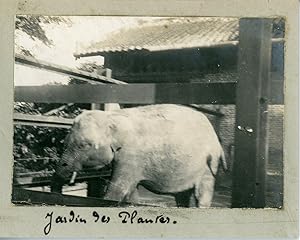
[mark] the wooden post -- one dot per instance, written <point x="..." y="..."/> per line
<point x="96" y="188"/>
<point x="96" y="106"/>
<point x="110" y="106"/>
<point x="56" y="184"/>
<point x="218" y="119"/>
<point x="252" y="98"/>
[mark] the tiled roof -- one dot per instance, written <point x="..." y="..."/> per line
<point x="168" y="34"/>
<point x="171" y="33"/>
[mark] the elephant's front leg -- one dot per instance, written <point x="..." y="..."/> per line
<point x="123" y="185"/>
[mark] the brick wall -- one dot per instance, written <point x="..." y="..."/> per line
<point x="224" y="127"/>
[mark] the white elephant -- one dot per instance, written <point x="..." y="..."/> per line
<point x="168" y="149"/>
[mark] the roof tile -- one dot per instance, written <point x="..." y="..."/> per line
<point x="171" y="33"/>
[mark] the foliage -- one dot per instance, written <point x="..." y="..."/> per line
<point x="34" y="27"/>
<point x="32" y="143"/>
<point x="87" y="67"/>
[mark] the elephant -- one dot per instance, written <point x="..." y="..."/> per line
<point x="166" y="148"/>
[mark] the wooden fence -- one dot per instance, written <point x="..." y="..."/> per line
<point x="42" y="121"/>
<point x="253" y="92"/>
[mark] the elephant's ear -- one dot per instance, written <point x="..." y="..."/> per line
<point x="112" y="127"/>
<point x="67" y="140"/>
<point x="114" y="133"/>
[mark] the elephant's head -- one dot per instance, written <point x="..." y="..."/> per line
<point x="88" y="145"/>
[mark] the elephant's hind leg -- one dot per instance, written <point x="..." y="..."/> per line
<point x="183" y="198"/>
<point x="205" y="190"/>
<point x="133" y="196"/>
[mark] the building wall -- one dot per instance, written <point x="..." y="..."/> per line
<point x="171" y="65"/>
<point x="224" y="127"/>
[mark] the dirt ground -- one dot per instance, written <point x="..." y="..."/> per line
<point x="222" y="195"/>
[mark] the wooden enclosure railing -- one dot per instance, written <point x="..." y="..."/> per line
<point x="42" y="121"/>
<point x="92" y="78"/>
<point x="132" y="93"/>
<point x="177" y="93"/>
<point x="40" y="179"/>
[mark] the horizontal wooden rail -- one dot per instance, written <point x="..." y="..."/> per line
<point x="29" y="197"/>
<point x="35" y="159"/>
<point x="78" y="74"/>
<point x="43" y="121"/>
<point x="59" y="122"/>
<point x="177" y="93"/>
<point x="184" y="93"/>
<point x="34" y="174"/>
<point x="39" y="179"/>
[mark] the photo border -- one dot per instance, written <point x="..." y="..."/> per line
<point x="16" y="221"/>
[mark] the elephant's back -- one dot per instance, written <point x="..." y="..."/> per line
<point x="164" y="112"/>
<point x="164" y="119"/>
<point x="173" y="142"/>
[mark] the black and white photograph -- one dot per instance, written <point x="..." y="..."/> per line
<point x="170" y="112"/>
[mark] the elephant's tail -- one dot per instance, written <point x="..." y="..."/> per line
<point x="222" y="157"/>
<point x="223" y="161"/>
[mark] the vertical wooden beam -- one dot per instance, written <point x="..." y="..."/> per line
<point x="56" y="184"/>
<point x="110" y="106"/>
<point x="218" y="119"/>
<point x="97" y="187"/>
<point x="251" y="130"/>
<point x="96" y="106"/>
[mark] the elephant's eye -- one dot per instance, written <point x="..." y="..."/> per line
<point x="85" y="144"/>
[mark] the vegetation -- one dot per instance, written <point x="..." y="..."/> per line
<point x="38" y="148"/>
<point x="33" y="144"/>
<point x="33" y="27"/>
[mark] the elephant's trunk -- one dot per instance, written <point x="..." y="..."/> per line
<point x="66" y="169"/>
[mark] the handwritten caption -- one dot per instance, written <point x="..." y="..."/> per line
<point x="124" y="217"/>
